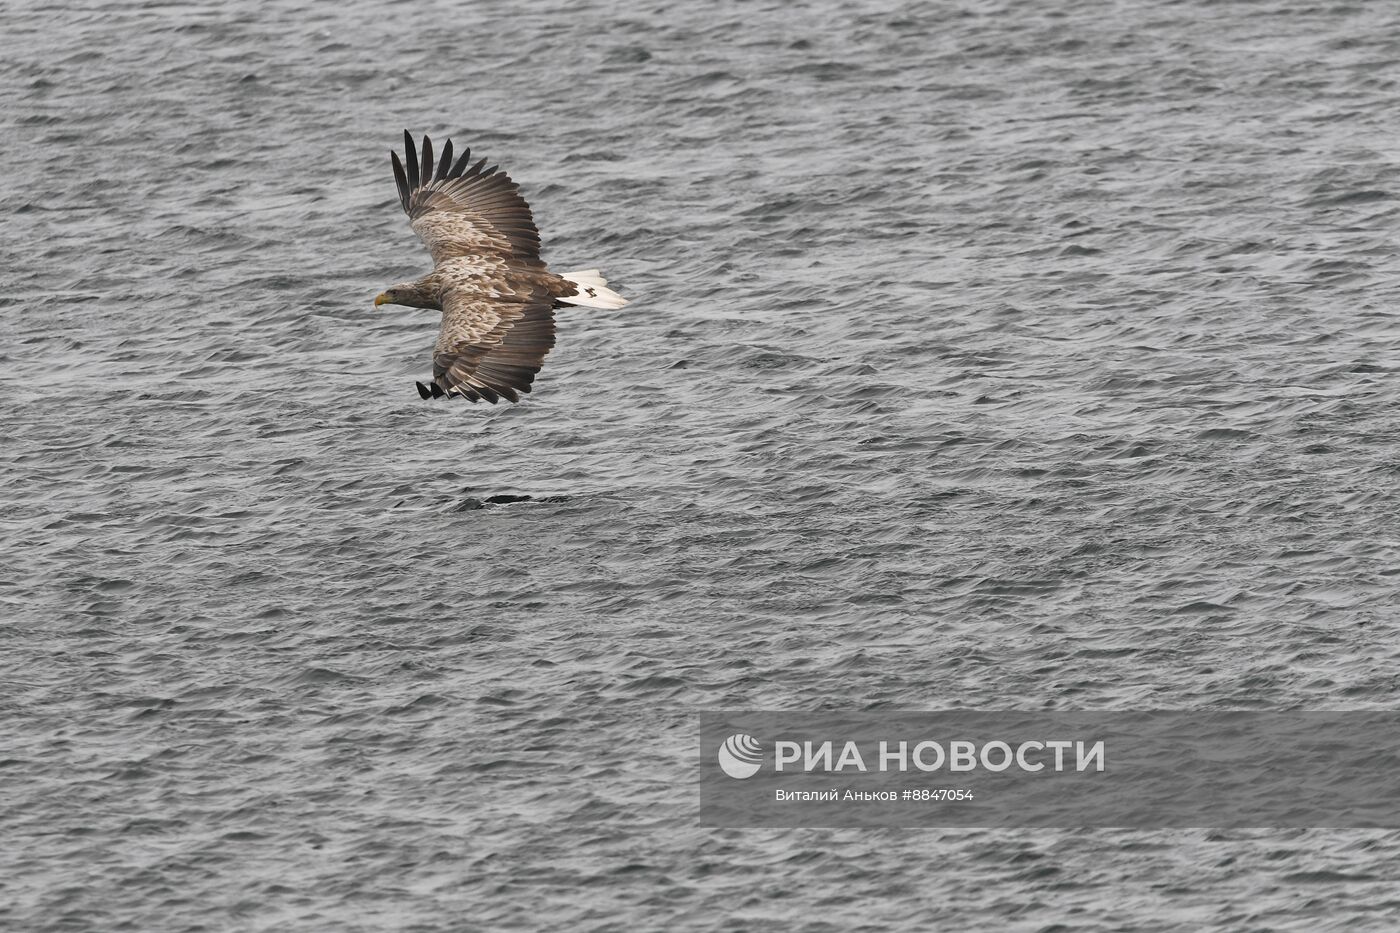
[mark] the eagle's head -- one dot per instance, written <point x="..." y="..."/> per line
<point x="410" y="294"/>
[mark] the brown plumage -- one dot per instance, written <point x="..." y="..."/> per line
<point x="496" y="296"/>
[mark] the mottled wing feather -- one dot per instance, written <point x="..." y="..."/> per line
<point x="491" y="348"/>
<point x="464" y="211"/>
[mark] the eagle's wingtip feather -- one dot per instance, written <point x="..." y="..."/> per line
<point x="426" y="169"/>
<point x="446" y="162"/>
<point x="411" y="162"/>
<point x="400" y="179"/>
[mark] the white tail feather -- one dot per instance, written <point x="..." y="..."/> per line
<point x="593" y="291"/>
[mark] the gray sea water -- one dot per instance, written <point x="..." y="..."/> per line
<point x="980" y="355"/>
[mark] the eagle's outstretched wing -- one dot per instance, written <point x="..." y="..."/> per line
<point x="491" y="348"/>
<point x="462" y="210"/>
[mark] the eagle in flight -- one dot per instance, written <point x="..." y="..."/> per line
<point x="496" y="297"/>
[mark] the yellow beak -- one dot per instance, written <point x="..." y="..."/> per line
<point x="380" y="299"/>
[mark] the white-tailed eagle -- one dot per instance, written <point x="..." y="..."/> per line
<point x="496" y="297"/>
